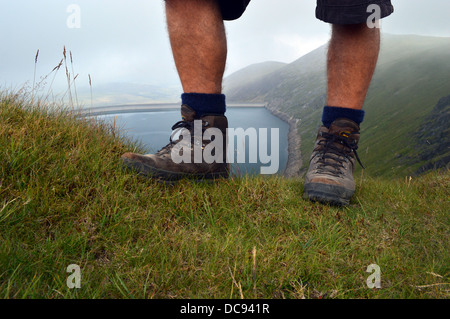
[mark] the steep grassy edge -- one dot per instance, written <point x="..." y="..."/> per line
<point x="64" y="199"/>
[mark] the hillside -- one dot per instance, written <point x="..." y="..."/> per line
<point x="433" y="139"/>
<point x="64" y="200"/>
<point x="242" y="79"/>
<point x="411" y="77"/>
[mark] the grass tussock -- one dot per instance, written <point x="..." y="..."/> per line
<point x="64" y="199"/>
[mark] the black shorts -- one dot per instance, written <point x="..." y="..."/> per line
<point x="351" y="11"/>
<point x="232" y="9"/>
<point x="331" y="11"/>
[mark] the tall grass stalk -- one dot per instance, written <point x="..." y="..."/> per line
<point x="69" y="90"/>
<point x="34" y="75"/>
<point x="55" y="70"/>
<point x="74" y="78"/>
<point x="90" y="87"/>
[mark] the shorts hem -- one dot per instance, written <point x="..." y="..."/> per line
<point x="351" y="14"/>
<point x="232" y="9"/>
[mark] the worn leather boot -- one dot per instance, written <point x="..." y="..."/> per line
<point x="330" y="175"/>
<point x="198" y="153"/>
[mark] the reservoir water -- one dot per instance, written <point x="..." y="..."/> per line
<point x="153" y="129"/>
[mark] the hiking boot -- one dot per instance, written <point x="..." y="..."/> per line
<point x="195" y="154"/>
<point x="330" y="175"/>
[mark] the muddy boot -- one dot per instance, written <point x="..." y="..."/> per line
<point x="199" y="153"/>
<point x="330" y="175"/>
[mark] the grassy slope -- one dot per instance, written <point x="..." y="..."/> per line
<point x="411" y="76"/>
<point x="65" y="200"/>
<point x="248" y="75"/>
<point x="402" y="95"/>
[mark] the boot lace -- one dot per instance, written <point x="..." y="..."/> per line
<point x="178" y="126"/>
<point x="331" y="152"/>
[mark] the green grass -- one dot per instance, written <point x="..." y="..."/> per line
<point x="64" y="199"/>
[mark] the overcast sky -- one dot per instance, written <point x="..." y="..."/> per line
<point x="126" y="41"/>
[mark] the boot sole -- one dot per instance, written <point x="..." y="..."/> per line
<point x="168" y="177"/>
<point x="328" y="194"/>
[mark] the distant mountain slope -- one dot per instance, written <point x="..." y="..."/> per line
<point x="118" y="93"/>
<point x="412" y="75"/>
<point x="246" y="76"/>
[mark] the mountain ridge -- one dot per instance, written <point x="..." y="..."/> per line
<point x="412" y="75"/>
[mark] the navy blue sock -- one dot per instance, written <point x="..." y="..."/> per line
<point x="330" y="114"/>
<point x="203" y="103"/>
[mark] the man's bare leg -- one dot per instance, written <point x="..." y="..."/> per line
<point x="198" y="40"/>
<point x="352" y="58"/>
<point x="197" y="36"/>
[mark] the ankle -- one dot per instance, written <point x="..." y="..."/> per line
<point x="330" y="114"/>
<point x="204" y="104"/>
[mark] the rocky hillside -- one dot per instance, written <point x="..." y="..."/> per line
<point x="433" y="138"/>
